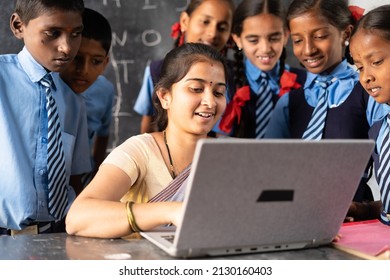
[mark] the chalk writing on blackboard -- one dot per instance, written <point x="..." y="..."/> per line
<point x="141" y="33"/>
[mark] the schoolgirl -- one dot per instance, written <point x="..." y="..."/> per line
<point x="260" y="73"/>
<point x="370" y="48"/>
<point x="331" y="103"/>
<point x="204" y="21"/>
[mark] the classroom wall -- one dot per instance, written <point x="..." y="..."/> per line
<point x="141" y="33"/>
<point x="368" y="5"/>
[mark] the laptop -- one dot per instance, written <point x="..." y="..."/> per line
<point x="251" y="196"/>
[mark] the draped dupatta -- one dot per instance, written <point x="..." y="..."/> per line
<point x="175" y="189"/>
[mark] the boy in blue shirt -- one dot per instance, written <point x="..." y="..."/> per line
<point x="84" y="76"/>
<point x="43" y="139"/>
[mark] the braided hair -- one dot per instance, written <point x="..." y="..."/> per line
<point x="192" y="6"/>
<point x="250" y="8"/>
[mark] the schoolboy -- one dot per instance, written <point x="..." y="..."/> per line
<point x="84" y="76"/>
<point x="38" y="153"/>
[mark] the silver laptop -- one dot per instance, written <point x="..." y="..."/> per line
<point x="248" y="196"/>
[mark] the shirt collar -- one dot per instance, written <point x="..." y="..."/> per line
<point x="386" y="109"/>
<point x="254" y="73"/>
<point x="342" y="70"/>
<point x="33" y="69"/>
<point x="254" y="77"/>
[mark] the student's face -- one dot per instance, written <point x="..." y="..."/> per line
<point x="89" y="63"/>
<point x="209" y="24"/>
<point x="53" y="38"/>
<point x="262" y="46"/>
<point x="318" y="45"/>
<point x="371" y="55"/>
<point x="196" y="102"/>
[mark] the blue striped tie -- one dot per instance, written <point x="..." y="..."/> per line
<point x="58" y="194"/>
<point x="264" y="107"/>
<point x="384" y="174"/>
<point x="317" y="122"/>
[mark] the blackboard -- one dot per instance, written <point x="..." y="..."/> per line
<point x="141" y="33"/>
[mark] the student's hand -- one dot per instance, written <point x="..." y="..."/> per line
<point x="348" y="219"/>
<point x="358" y="211"/>
<point x="352" y="212"/>
<point x="337" y="238"/>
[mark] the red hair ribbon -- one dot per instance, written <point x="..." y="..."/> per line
<point x="356" y="11"/>
<point x="288" y="81"/>
<point x="233" y="109"/>
<point x="175" y="30"/>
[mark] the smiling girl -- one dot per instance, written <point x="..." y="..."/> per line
<point x="204" y="21"/>
<point x="331" y="104"/>
<point x="261" y="75"/>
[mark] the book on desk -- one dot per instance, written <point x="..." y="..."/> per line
<point x="366" y="239"/>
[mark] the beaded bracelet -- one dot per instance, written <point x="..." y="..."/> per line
<point x="130" y="217"/>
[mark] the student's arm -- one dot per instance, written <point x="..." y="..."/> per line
<point x="144" y="103"/>
<point x="99" y="151"/>
<point x="81" y="158"/>
<point x="359" y="211"/>
<point x="100" y="143"/>
<point x="76" y="183"/>
<point x="97" y="212"/>
<point x="278" y="126"/>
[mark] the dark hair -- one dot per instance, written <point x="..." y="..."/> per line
<point x="97" y="27"/>
<point x="250" y="8"/>
<point x="192" y="6"/>
<point x="176" y="65"/>
<point x="336" y="12"/>
<point x="376" y="21"/>
<point x="31" y="9"/>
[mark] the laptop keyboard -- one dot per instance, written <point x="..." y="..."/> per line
<point x="169" y="237"/>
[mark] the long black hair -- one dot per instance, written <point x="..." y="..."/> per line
<point x="176" y="65"/>
<point x="192" y="6"/>
<point x="336" y="12"/>
<point x="250" y="8"/>
<point x="376" y="21"/>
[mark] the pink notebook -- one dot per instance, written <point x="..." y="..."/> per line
<point x="367" y="239"/>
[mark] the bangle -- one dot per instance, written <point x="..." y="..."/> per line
<point x="130" y="217"/>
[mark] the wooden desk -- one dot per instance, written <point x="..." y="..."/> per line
<point x="60" y="246"/>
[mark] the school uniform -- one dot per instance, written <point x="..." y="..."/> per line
<point x="302" y="102"/>
<point x="350" y="112"/>
<point x="378" y="133"/>
<point x="246" y="126"/>
<point x="144" y="103"/>
<point x="23" y="140"/>
<point x="346" y="120"/>
<point x="99" y="99"/>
